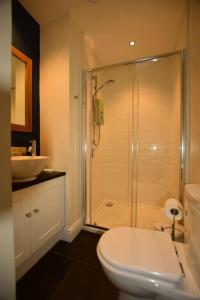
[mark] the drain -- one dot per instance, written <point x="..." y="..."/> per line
<point x="109" y="204"/>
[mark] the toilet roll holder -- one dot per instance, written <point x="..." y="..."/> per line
<point x="174" y="212"/>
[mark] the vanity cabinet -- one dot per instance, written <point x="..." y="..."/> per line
<point x="21" y="223"/>
<point x="38" y="213"/>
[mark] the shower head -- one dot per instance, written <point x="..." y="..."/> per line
<point x="110" y="81"/>
<point x="106" y="83"/>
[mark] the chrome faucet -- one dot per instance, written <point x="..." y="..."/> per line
<point x="32" y="148"/>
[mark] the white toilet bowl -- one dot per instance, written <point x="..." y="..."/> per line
<point x="145" y="264"/>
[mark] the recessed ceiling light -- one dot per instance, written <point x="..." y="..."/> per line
<point x="154" y="59"/>
<point x="131" y="43"/>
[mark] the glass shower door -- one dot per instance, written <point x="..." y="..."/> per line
<point x="111" y="166"/>
<point x="157" y="136"/>
<point x="133" y="165"/>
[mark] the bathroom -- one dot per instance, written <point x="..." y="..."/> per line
<point x="65" y="38"/>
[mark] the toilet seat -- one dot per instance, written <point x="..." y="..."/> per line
<point x="141" y="252"/>
<point x="143" y="263"/>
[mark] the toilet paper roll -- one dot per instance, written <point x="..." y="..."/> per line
<point x="173" y="206"/>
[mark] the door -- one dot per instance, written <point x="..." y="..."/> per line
<point x="47" y="202"/>
<point x="109" y="163"/>
<point x="22" y="225"/>
<point x="157" y="137"/>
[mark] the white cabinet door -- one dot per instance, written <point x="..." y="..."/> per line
<point x="22" y="226"/>
<point x="47" y="202"/>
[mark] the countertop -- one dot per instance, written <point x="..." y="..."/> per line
<point x="44" y="176"/>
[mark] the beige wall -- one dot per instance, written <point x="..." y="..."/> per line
<point x="76" y="61"/>
<point x="54" y="92"/>
<point x="7" y="266"/>
<point x="62" y="59"/>
<point x="194" y="78"/>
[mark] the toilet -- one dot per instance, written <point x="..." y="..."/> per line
<point x="146" y="264"/>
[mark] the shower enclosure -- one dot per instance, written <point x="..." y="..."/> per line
<point x="132" y="115"/>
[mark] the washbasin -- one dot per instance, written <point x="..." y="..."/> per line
<point x="26" y="168"/>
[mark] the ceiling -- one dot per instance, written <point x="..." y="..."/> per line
<point x="157" y="26"/>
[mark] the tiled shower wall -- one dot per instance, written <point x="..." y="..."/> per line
<point x="117" y="135"/>
<point x="150" y="92"/>
<point x="111" y="164"/>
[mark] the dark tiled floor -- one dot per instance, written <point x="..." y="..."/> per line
<point x="68" y="272"/>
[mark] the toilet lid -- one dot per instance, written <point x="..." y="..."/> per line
<point x="145" y="252"/>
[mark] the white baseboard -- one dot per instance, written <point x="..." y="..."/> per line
<point x="93" y="229"/>
<point x="70" y="233"/>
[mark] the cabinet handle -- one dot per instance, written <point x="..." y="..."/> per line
<point x="36" y="210"/>
<point x="28" y="215"/>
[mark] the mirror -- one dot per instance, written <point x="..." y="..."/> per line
<point x="21" y="92"/>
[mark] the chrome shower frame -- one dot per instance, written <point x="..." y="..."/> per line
<point x="184" y="144"/>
